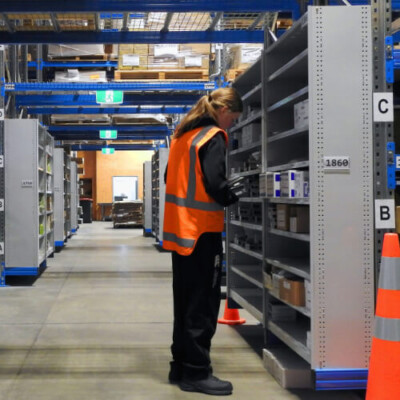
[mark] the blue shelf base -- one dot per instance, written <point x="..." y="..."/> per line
<point x="58" y="244"/>
<point x="73" y="230"/>
<point x="341" y="379"/>
<point x="25" y="271"/>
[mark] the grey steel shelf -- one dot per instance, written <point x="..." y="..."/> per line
<point x="251" y="300"/>
<point x="243" y="250"/>
<point x="253" y="94"/>
<point x="245" y="149"/>
<point x="253" y="117"/>
<point x="292" y="165"/>
<point x="303" y="310"/>
<point x="252" y="273"/>
<point x="287" y="134"/>
<point x="247" y="173"/>
<point x="294" y="335"/>
<point x="250" y="199"/>
<point x="296" y="266"/>
<point x="289" y="100"/>
<point x="287" y="200"/>
<point x="299" y="236"/>
<point x="296" y="66"/>
<point x="247" y="225"/>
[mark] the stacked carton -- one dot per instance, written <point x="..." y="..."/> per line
<point x="164" y="56"/>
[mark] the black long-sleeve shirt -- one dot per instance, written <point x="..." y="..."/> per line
<point x="212" y="162"/>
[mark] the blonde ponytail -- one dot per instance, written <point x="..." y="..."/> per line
<point x="207" y="107"/>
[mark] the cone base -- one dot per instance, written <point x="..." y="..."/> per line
<point x="239" y="321"/>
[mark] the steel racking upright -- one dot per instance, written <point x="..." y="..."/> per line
<point x="147" y="198"/>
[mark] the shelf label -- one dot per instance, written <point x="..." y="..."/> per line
<point x="337" y="163"/>
<point x="1" y="161"/>
<point x="1" y="114"/>
<point x="209" y="86"/>
<point x="27" y="183"/>
<point x="2" y="248"/>
<point x="1" y="204"/>
<point x="385" y="214"/>
<point x="383" y="107"/>
<point x="109" y="97"/>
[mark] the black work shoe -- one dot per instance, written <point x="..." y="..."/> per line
<point x="210" y="385"/>
<point x="175" y="372"/>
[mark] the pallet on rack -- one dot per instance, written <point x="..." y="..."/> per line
<point x="89" y="57"/>
<point x="173" y="74"/>
<point x="232" y="74"/>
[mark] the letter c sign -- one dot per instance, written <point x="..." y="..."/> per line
<point x="383" y="107"/>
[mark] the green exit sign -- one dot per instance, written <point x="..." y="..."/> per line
<point x="108" y="134"/>
<point x="108" y="150"/>
<point x="109" y="97"/>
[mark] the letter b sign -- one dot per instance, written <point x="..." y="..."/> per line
<point x="384" y="214"/>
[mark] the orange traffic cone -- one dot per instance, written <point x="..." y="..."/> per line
<point x="231" y="316"/>
<point x="384" y="365"/>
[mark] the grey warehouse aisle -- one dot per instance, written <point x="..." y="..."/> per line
<point x="97" y="325"/>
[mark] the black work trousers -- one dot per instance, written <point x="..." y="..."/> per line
<point x="197" y="297"/>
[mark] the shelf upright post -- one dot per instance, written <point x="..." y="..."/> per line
<point x="383" y="131"/>
<point x="2" y="185"/>
<point x="39" y="71"/>
<point x="13" y="53"/>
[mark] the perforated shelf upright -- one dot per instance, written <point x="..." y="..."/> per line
<point x="147" y="198"/>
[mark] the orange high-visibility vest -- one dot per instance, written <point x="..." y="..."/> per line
<point x="189" y="210"/>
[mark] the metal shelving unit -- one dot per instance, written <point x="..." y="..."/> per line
<point x="147" y="198"/>
<point x="67" y="196"/>
<point x="28" y="219"/>
<point x="307" y="63"/>
<point x="74" y="197"/>
<point x="159" y="163"/>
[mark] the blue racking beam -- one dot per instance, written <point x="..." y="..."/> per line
<point x="93" y="136"/>
<point x="124" y="86"/>
<point x="46" y="37"/>
<point x="130" y="99"/>
<point x="92" y="147"/>
<point x="109" y="110"/>
<point x="114" y="6"/>
<point x="120" y="128"/>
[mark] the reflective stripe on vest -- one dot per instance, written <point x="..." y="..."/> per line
<point x="190" y="201"/>
<point x="387" y="329"/>
<point x="171" y="237"/>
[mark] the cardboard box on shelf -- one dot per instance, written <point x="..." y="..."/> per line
<point x="196" y="61"/>
<point x="300" y="219"/>
<point x="273" y="184"/>
<point x="288" y="185"/>
<point x="267" y="280"/>
<point x="292" y="291"/>
<point x="283" y="217"/>
<point x="74" y="75"/>
<point x="164" y="50"/>
<point x="301" y="114"/>
<point x="301" y="185"/>
<point x="74" y="50"/>
<point x="131" y="61"/>
<point x="159" y="63"/>
<point x="244" y="55"/>
<point x="195" y="48"/>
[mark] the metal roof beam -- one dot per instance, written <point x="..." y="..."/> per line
<point x="168" y="20"/>
<point x="108" y="110"/>
<point x="256" y="21"/>
<point x="249" y="6"/>
<point x="8" y="23"/>
<point x="90" y="99"/>
<point x="55" y="23"/>
<point x="95" y="136"/>
<point x="90" y="37"/>
<point x="215" y="21"/>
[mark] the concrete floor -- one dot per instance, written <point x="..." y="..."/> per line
<point x="97" y="325"/>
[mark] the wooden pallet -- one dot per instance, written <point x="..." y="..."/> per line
<point x="172" y="74"/>
<point x="232" y="74"/>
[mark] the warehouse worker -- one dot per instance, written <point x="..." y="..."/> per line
<point x="196" y="192"/>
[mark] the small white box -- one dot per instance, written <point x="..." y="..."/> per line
<point x="130" y="60"/>
<point x="301" y="115"/>
<point x="301" y="184"/>
<point x="263" y="184"/>
<point x="273" y="184"/>
<point x="288" y="183"/>
<point x="307" y="291"/>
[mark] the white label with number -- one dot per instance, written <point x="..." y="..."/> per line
<point x="27" y="183"/>
<point x="385" y="214"/>
<point x="337" y="163"/>
<point x="1" y="204"/>
<point x="208" y="86"/>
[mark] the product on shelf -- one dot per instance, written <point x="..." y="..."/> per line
<point x="301" y="114"/>
<point x="283" y="217"/>
<point x="292" y="291"/>
<point x="299" y="219"/>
